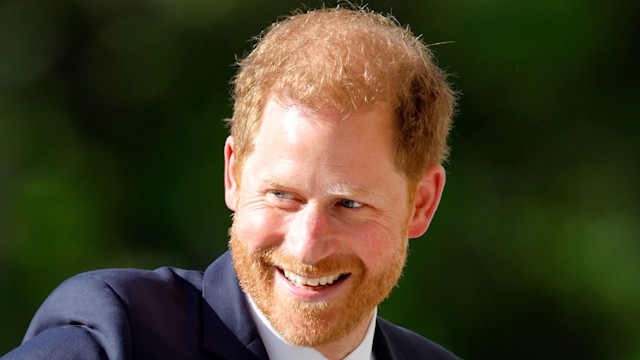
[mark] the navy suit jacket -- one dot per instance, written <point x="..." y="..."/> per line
<point x="169" y="313"/>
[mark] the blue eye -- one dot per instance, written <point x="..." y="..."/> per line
<point x="350" y="204"/>
<point x="281" y="194"/>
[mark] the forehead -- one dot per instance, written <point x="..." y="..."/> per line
<point x="291" y="120"/>
<point x="292" y="139"/>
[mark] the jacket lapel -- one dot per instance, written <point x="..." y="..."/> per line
<point x="228" y="329"/>
<point x="383" y="348"/>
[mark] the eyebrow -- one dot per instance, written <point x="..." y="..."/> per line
<point x="337" y="190"/>
<point x="344" y="190"/>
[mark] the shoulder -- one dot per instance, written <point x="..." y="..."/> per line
<point x="160" y="298"/>
<point x="411" y="344"/>
<point x="119" y="305"/>
<point x="136" y="283"/>
<point x="127" y="290"/>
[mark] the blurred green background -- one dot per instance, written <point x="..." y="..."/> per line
<point x="111" y="139"/>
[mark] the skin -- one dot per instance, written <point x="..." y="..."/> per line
<point x="320" y="197"/>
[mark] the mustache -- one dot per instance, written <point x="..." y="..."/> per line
<point x="276" y="257"/>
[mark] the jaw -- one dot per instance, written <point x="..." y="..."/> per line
<point x="308" y="315"/>
<point x="313" y="316"/>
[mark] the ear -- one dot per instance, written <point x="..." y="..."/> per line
<point x="231" y="185"/>
<point x="428" y="192"/>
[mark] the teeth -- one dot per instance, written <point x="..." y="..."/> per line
<point x="303" y="281"/>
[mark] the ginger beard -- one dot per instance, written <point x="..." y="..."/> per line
<point x="312" y="324"/>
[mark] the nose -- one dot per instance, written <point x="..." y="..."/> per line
<point x="309" y="238"/>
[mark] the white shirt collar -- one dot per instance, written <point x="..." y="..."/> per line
<point x="279" y="349"/>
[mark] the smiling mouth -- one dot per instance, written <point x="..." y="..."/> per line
<point x="313" y="282"/>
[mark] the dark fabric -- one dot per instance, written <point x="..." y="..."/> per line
<point x="169" y="313"/>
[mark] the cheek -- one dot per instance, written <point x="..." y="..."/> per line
<point x="375" y="245"/>
<point x="259" y="229"/>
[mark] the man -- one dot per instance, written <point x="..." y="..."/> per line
<point x="333" y="163"/>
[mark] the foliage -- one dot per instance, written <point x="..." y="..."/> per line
<point x="111" y="139"/>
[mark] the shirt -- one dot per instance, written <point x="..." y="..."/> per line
<point x="280" y="349"/>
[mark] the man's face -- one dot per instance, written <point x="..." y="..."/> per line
<point x="319" y="236"/>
